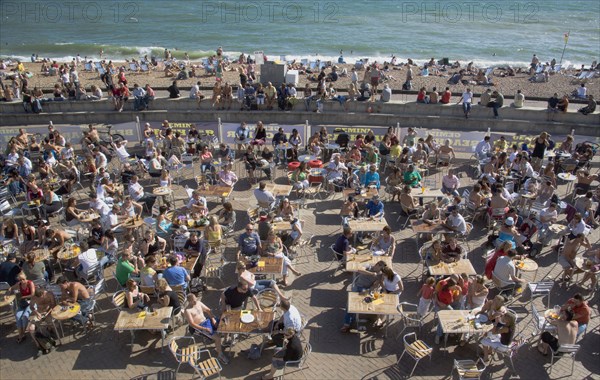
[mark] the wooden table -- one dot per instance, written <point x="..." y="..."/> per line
<point x="40" y="253"/>
<point x="272" y="266"/>
<point x="459" y="267"/>
<point x="162" y="190"/>
<point x="62" y="313"/>
<point x="231" y="322"/>
<point x="68" y="253"/>
<point x="187" y="264"/>
<point x="358" y="305"/>
<point x="88" y="216"/>
<point x="131" y="320"/>
<point x="217" y="191"/>
<point x="364" y="196"/>
<point x="279" y="190"/>
<point x="281" y="226"/>
<point x="133" y="223"/>
<point x="356" y="262"/>
<point x="428" y="193"/>
<point x="420" y="227"/>
<point x="455" y="322"/>
<point x="7" y="300"/>
<point x="366" y="225"/>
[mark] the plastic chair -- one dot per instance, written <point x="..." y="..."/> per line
<point x="416" y="349"/>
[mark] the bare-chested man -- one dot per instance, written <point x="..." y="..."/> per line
<point x="566" y="331"/>
<point x="55" y="239"/>
<point x="75" y="292"/>
<point x="569" y="253"/>
<point x="41" y="305"/>
<point x="195" y="313"/>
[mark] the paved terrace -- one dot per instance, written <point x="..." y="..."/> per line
<point x="320" y="294"/>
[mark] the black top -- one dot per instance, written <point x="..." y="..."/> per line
<point x="9" y="272"/>
<point x="234" y="298"/>
<point x="279" y="138"/>
<point x="152" y="246"/>
<point x="507" y="337"/>
<point x="553" y="102"/>
<point x="193" y="246"/>
<point x="293" y="349"/>
<point x="261" y="135"/>
<point x="97" y="233"/>
<point x="539" y="149"/>
<point x="173" y="301"/>
<point x="173" y="91"/>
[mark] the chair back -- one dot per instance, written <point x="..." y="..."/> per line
<point x="253" y="214"/>
<point x="178" y="243"/>
<point x="568" y="348"/>
<point x="118" y="299"/>
<point x="268" y="299"/>
<point x="149" y="290"/>
<point x="99" y="287"/>
<point x="416" y="349"/>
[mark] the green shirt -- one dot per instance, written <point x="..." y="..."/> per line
<point x="122" y="271"/>
<point x="412" y="178"/>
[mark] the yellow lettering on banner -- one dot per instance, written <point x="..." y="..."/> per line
<point x="231" y="134"/>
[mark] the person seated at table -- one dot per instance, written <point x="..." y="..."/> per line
<point x="374" y="208"/>
<point x="227" y="177"/>
<point x="9" y="269"/>
<point x="264" y="225"/>
<point x="152" y="244"/>
<point x="509" y="232"/>
<point x="353" y="157"/>
<point x="73" y="215"/>
<point x="498" y="201"/>
<point x="56" y="239"/>
<point x="249" y="243"/>
<point x="9" y="230"/>
<point x="52" y="201"/>
<point x="273" y="247"/>
<point x="591" y="270"/>
<point x="394" y="183"/>
<point x="136" y="192"/>
<point x="75" y="292"/>
<point x="584" y="181"/>
<point x="163" y="224"/>
<point x="545" y="192"/>
<point x="358" y="178"/>
<point x="342" y="246"/>
<point x="236" y="296"/>
<point x="490" y="263"/>
<point x="35" y="271"/>
<point x="432" y="215"/>
<point x="315" y="145"/>
<point x="412" y="177"/>
<point x="501" y="336"/>
<point x="85" y="260"/>
<point x="24" y="290"/>
<point x="477" y="294"/>
<point x="250" y="162"/>
<point x="451" y="251"/>
<point x="196" y="315"/>
<point x="336" y="172"/>
<point x="349" y="210"/>
<point x="420" y="155"/>
<point x="285" y="210"/>
<point x="257" y="285"/>
<point x="196" y="202"/>
<point x="264" y="197"/>
<point x="175" y="274"/>
<point x="450" y="183"/>
<point x="447" y="292"/>
<point x="224" y="152"/>
<point x="133" y="297"/>
<point x="148" y="274"/>
<point x="408" y="202"/>
<point x="206" y="160"/>
<point x="504" y="273"/>
<point x="196" y="247"/>
<point x="299" y="177"/>
<point x="384" y="244"/>
<point x="583" y="204"/>
<point x="213" y="231"/>
<point x="291" y="351"/>
<point x="455" y="221"/>
<point x="433" y="254"/>
<point x="569" y="253"/>
<point x="372" y="177"/>
<point x="227" y="217"/>
<point x="41" y="305"/>
<point x="566" y="333"/>
<point x="580" y="311"/>
<point x="167" y="297"/>
<point x="372" y="156"/>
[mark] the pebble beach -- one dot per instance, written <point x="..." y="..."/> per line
<point x="561" y="83"/>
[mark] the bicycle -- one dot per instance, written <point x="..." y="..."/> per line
<point x="107" y="137"/>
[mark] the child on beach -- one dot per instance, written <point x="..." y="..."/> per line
<point x="426" y="293"/>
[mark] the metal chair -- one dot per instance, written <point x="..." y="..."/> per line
<point x="565" y="350"/>
<point x="213" y="268"/>
<point x="410" y="317"/>
<point x="268" y="299"/>
<point x="540" y="289"/>
<point x="302" y="250"/>
<point x="297" y="365"/>
<point x="312" y="192"/>
<point x="416" y="349"/>
<point x="335" y="258"/>
<point x="191" y="354"/>
<point x="469" y="369"/>
<point x="118" y="300"/>
<point x="408" y="214"/>
<point x="539" y="322"/>
<point x="518" y="342"/>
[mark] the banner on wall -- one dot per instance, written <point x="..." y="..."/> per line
<point x="228" y="131"/>
<point x="460" y="141"/>
<point x="526" y="138"/>
<point x="211" y="128"/>
<point x="129" y="130"/>
<point x="352" y="131"/>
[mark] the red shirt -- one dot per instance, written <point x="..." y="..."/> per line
<point x="421" y="96"/>
<point x="491" y="263"/>
<point x="583" y="310"/>
<point x="427" y="291"/>
<point x="445" y="296"/>
<point x="446" y="97"/>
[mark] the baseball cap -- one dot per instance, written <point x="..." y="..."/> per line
<point x="509" y="221"/>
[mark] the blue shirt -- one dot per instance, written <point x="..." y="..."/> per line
<point x="242" y="133"/>
<point x="249" y="243"/>
<point x="341" y="244"/>
<point x="373" y="208"/>
<point x="175" y="275"/>
<point x="372" y="177"/>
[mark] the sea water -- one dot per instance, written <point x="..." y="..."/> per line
<point x="486" y="32"/>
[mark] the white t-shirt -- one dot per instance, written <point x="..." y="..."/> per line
<point x="87" y="259"/>
<point x="391" y="286"/>
<point x="505" y="268"/>
<point x="467" y="97"/>
<point x="546" y="214"/>
<point x="581" y="92"/>
<point x="134" y="188"/>
<point x="459" y="222"/>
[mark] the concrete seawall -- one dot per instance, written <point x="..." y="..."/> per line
<point x="530" y="119"/>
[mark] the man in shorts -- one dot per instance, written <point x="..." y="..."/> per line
<point x="569" y="252"/>
<point x="466" y="99"/>
<point x="195" y="313"/>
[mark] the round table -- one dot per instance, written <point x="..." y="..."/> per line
<point x="570" y="179"/>
<point x="584" y="264"/>
<point x="88" y="217"/>
<point x="41" y="254"/>
<point x="316" y="175"/>
<point x="162" y="190"/>
<point x="558" y="229"/>
<point x="131" y="223"/>
<point x="64" y="312"/>
<point x="527" y="265"/>
<point x="7" y="300"/>
<point x="307" y="157"/>
<point x="68" y="254"/>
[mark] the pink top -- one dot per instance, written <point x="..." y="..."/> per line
<point x="427" y="291"/>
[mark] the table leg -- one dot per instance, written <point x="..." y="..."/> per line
<point x="446" y="344"/>
<point x="163" y="334"/>
<point x="132" y="336"/>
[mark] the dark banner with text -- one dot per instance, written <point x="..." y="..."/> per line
<point x="228" y="131"/>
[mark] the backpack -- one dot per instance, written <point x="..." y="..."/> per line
<point x="45" y="339"/>
<point x="254" y="352"/>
